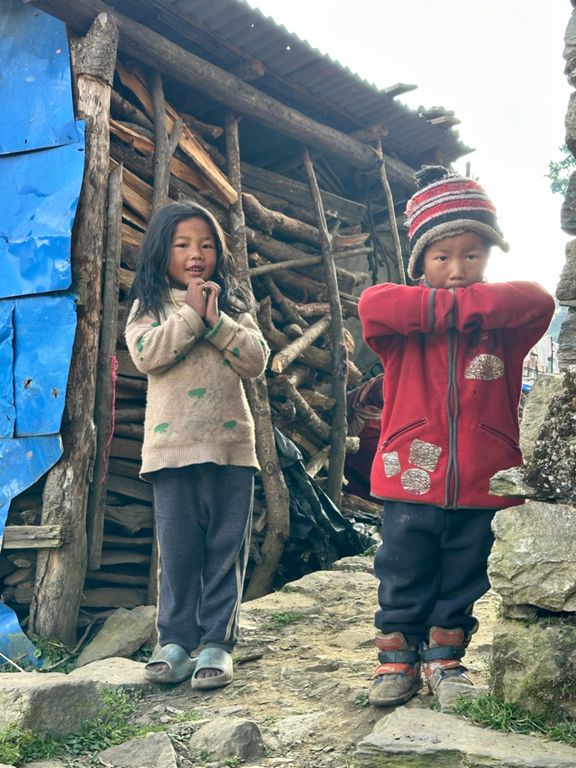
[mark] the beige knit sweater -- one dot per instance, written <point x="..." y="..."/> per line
<point x="196" y="409"/>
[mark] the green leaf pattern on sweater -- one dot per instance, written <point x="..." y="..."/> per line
<point x="198" y="392"/>
<point x="230" y="424"/>
<point x="162" y="427"/>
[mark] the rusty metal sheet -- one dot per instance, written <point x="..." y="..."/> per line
<point x="36" y="109"/>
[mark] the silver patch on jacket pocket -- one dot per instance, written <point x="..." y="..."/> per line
<point x="424" y="455"/>
<point x="416" y="481"/>
<point x="485" y="368"/>
<point x="391" y="463"/>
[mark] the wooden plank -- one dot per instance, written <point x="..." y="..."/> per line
<point x="136" y="489"/>
<point x="33" y="536"/>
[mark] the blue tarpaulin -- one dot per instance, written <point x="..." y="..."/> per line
<point x="36" y="109"/>
<point x="41" y="170"/>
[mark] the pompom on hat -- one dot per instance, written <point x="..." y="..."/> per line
<point x="446" y="205"/>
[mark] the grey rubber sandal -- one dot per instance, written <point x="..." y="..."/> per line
<point x="213" y="658"/>
<point x="180" y="665"/>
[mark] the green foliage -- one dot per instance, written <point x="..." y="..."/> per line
<point x="362" y="699"/>
<point x="282" y="619"/>
<point x="559" y="171"/>
<point x="113" y="727"/>
<point x="490" y="712"/>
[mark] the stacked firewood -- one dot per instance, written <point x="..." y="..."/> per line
<point x="293" y="311"/>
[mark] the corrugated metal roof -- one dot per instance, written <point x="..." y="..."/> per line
<point x="230" y="32"/>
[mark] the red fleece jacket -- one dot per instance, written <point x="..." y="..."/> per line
<point x="453" y="374"/>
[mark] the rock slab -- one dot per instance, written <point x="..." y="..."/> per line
<point x="420" y="738"/>
<point x="152" y="751"/>
<point x="533" y="559"/>
<point x="121" y="635"/>
<point x="229" y="737"/>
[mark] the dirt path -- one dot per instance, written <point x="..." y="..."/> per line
<point x="303" y="670"/>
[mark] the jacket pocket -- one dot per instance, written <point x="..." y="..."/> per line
<point x="402" y="431"/>
<point x="501" y="436"/>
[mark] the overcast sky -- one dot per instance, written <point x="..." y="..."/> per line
<point x="498" y="65"/>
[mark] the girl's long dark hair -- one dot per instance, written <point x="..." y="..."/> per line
<point x="150" y="284"/>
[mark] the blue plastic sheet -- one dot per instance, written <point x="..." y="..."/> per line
<point x="7" y="407"/>
<point x="24" y="460"/>
<point x="36" y="109"/>
<point x="14" y="644"/>
<point x="38" y="198"/>
<point x="44" y="335"/>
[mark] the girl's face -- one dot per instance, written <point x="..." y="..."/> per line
<point x="456" y="262"/>
<point x="192" y="252"/>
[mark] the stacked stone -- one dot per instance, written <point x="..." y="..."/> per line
<point x="566" y="290"/>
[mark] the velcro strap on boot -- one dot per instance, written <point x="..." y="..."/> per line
<point x="398" y="657"/>
<point x="438" y="652"/>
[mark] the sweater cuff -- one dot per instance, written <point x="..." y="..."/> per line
<point x="223" y="332"/>
<point x="192" y="320"/>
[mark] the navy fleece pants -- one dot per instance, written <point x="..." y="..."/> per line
<point x="432" y="566"/>
<point x="203" y="518"/>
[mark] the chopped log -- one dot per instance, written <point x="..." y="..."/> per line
<point x="133" y="385"/>
<point x="125" y="109"/>
<point x="281" y="385"/>
<point x="318" y="461"/>
<point x="60" y="572"/>
<point x="121" y="557"/>
<point x="105" y="375"/>
<point x="283" y="359"/>
<point x="129" y="413"/>
<point x="205" y="130"/>
<point x="131" y="517"/>
<point x="19" y="576"/>
<point x="125" y="468"/>
<point x="136" y="489"/>
<point x="165" y="145"/>
<point x="294" y="284"/>
<point x="35" y="536"/>
<point x="113" y="540"/>
<point x="274" y="222"/>
<point x="338" y="350"/>
<point x="317" y="400"/>
<point x="304" y="261"/>
<point x="275" y="490"/>
<point x="110" y="597"/>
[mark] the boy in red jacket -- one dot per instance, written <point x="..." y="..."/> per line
<point x="452" y="348"/>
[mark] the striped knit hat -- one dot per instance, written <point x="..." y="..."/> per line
<point x="447" y="205"/>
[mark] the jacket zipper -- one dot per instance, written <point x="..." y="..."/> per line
<point x="405" y="428"/>
<point x="452" y="470"/>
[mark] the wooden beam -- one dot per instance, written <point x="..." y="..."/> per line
<point x="156" y="51"/>
<point x="33" y="536"/>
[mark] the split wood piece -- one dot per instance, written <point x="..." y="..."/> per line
<point x="129" y="413"/>
<point x="391" y="212"/>
<point x="131" y="236"/>
<point x="134" y="80"/>
<point x="339" y="354"/>
<point x="34" y="536"/>
<point x="106" y="372"/>
<point x="282" y="359"/>
<point x="130" y="517"/>
<point x="117" y="578"/>
<point x="295" y="284"/>
<point x="204" y="130"/>
<point x="134" y="386"/>
<point x="123" y="448"/>
<point x="60" y="572"/>
<point x="146" y="145"/>
<point x="166" y="141"/>
<point x="284" y="410"/>
<point x="292" y="330"/>
<point x="359" y="277"/>
<point x="114" y="597"/>
<point x="131" y="218"/>
<point x="135" y="489"/>
<point x="275" y="490"/>
<point x="18" y="577"/>
<point x="298" y="374"/>
<point x="142" y="167"/>
<point x="131" y="430"/>
<point x="126" y="468"/>
<point x="115" y="540"/>
<point x="317" y="400"/>
<point x="124" y="557"/>
<point x="130" y="255"/>
<point x="318" y="461"/>
<point x="286" y="306"/>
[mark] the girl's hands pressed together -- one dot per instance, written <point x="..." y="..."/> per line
<point x="212" y="291"/>
<point x="196" y="296"/>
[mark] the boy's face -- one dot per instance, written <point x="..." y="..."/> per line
<point x="456" y="262"/>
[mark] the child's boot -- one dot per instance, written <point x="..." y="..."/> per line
<point x="441" y="657"/>
<point x="397" y="678"/>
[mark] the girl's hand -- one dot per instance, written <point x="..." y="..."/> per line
<point x="196" y="296"/>
<point x="212" y="312"/>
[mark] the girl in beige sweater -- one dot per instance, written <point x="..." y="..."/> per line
<point x="189" y="329"/>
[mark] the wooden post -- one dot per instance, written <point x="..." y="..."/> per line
<point x="275" y="490"/>
<point x="60" y="572"/>
<point x="106" y="372"/>
<point x="164" y="145"/>
<point x="338" y="350"/>
<point x="391" y="213"/>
